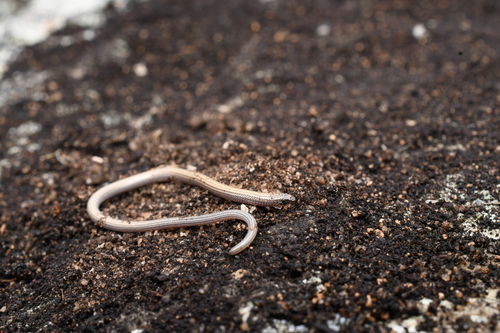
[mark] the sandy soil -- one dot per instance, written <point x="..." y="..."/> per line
<point x="381" y="117"/>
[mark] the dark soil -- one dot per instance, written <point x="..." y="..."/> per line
<point x="389" y="143"/>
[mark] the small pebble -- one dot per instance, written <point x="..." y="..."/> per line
<point x="321" y="180"/>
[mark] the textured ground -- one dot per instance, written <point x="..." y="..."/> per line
<point x="381" y="117"/>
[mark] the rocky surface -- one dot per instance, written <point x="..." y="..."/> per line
<point x="381" y="117"/>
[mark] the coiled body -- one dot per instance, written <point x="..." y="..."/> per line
<point x="188" y="177"/>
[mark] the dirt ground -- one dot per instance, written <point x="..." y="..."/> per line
<point x="381" y="117"/>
